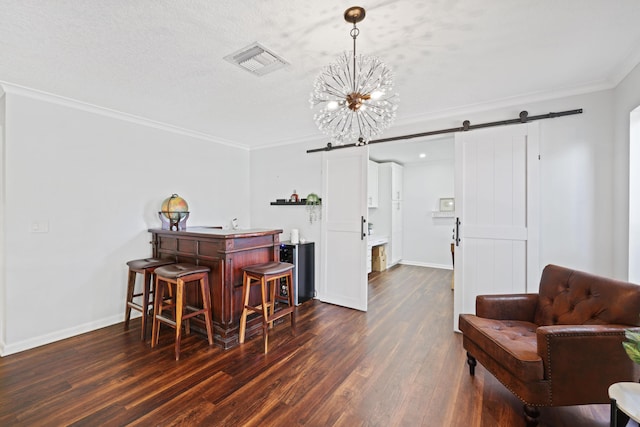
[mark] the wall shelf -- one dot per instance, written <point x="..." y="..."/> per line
<point x="443" y="214"/>
<point x="302" y="202"/>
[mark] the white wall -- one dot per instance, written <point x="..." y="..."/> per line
<point x="576" y="181"/>
<point x="626" y="252"/>
<point x="97" y="181"/>
<point x="275" y="173"/>
<point x="426" y="239"/>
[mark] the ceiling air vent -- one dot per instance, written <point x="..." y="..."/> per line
<point x="256" y="59"/>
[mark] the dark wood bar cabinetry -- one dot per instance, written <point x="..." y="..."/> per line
<point x="226" y="252"/>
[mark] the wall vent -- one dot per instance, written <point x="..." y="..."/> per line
<point x="256" y="59"/>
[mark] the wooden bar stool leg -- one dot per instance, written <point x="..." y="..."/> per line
<point x="265" y="312"/>
<point x="206" y="302"/>
<point x="179" y="313"/>
<point x="272" y="285"/>
<point x="157" y="304"/>
<point x="131" y="283"/>
<point x="289" y="279"/>
<point x="246" y="280"/>
<point x="146" y="291"/>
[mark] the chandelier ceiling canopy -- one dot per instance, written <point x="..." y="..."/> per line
<point x="354" y="95"/>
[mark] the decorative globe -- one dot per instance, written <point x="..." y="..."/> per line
<point x="174" y="208"/>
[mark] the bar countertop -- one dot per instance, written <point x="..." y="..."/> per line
<point x="219" y="232"/>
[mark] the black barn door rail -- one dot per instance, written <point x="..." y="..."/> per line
<point x="466" y="125"/>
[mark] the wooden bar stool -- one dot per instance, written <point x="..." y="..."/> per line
<point x="180" y="275"/>
<point x="264" y="275"/>
<point x="146" y="267"/>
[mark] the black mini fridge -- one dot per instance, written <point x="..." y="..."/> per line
<point x="302" y="256"/>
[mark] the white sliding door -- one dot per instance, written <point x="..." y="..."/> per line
<point x="497" y="207"/>
<point x="344" y="220"/>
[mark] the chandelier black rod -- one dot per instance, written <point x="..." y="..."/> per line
<point x="466" y="126"/>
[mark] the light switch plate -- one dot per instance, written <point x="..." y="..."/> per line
<point x="40" y="226"/>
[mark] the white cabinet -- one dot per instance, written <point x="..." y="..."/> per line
<point x="372" y="185"/>
<point x="388" y="217"/>
<point x="397" y="179"/>
<point x="395" y="254"/>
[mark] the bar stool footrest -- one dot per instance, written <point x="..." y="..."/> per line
<point x="280" y="314"/>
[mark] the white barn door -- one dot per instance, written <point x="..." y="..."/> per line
<point x="497" y="207"/>
<point x="344" y="217"/>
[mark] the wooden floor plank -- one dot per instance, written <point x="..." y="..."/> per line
<point x="399" y="364"/>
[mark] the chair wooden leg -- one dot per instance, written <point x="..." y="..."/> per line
<point x="131" y="283"/>
<point x="471" y="361"/>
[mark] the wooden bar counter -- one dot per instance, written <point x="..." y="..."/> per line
<point x="225" y="252"/>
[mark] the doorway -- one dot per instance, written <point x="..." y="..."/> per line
<point x="634" y="195"/>
<point x="428" y="175"/>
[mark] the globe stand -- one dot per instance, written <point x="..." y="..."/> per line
<point x="169" y="223"/>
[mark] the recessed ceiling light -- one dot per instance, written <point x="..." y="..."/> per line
<point x="422" y="155"/>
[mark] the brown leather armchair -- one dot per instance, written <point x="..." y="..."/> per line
<point x="560" y="347"/>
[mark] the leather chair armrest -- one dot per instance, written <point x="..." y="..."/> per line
<point x="581" y="361"/>
<point x="507" y="307"/>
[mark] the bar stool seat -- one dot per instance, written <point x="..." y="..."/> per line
<point x="146" y="267"/>
<point x="265" y="275"/>
<point x="178" y="276"/>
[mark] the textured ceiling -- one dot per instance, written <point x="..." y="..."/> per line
<point x="163" y="60"/>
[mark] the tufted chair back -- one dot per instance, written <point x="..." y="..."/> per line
<point x="570" y="297"/>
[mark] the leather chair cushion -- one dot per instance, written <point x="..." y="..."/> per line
<point x="511" y="343"/>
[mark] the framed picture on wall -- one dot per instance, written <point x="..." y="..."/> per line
<point x="447" y="205"/>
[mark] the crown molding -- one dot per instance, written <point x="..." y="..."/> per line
<point x="308" y="139"/>
<point x="107" y="112"/>
<point x="528" y="98"/>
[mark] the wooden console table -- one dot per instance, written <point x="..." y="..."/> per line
<point x="226" y="252"/>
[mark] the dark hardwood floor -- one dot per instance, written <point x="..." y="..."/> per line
<point x="399" y="364"/>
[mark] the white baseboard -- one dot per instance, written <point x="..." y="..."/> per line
<point x="427" y="264"/>
<point x="7" y="349"/>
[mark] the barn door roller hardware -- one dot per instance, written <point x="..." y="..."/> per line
<point x="466" y="126"/>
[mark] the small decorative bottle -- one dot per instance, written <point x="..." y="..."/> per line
<point x="294" y="197"/>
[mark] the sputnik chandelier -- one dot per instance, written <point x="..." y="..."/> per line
<point x="355" y="94"/>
